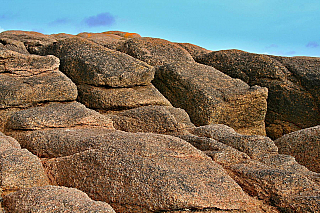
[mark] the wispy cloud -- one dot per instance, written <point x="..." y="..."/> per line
<point x="60" y="21"/>
<point x="102" y="19"/>
<point x="272" y="46"/>
<point x="1" y="29"/>
<point x="312" y="44"/>
<point x="3" y="17"/>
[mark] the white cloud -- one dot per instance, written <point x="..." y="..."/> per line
<point x="1" y="29"/>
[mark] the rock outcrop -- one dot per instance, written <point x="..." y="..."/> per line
<point x="209" y="96"/>
<point x="141" y="172"/>
<point x="129" y="149"/>
<point x="263" y="173"/>
<point x="293" y="83"/>
<point x="304" y="145"/>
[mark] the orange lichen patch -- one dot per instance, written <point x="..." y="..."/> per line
<point x="123" y="34"/>
<point x="131" y="35"/>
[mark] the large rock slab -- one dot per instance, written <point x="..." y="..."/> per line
<point x="34" y="42"/>
<point x="155" y="51"/>
<point x="53" y="199"/>
<point x="31" y="79"/>
<point x="60" y="142"/>
<point x="120" y="98"/>
<point x="253" y="145"/>
<point x="209" y="96"/>
<point x="20" y="169"/>
<point x="153" y="119"/>
<point x="57" y="115"/>
<point x="293" y="84"/>
<point x="304" y="145"/>
<point x="141" y="172"/>
<point x="86" y="62"/>
<point x="288" y="190"/>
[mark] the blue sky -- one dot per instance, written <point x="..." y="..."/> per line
<point x="279" y="27"/>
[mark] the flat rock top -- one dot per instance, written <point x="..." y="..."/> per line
<point x="26" y="65"/>
<point x="244" y="65"/>
<point x="86" y="62"/>
<point x="202" y="77"/>
<point x="155" y="51"/>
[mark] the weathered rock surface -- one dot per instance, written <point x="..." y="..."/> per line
<point x="14" y="45"/>
<point x="263" y="173"/>
<point x="20" y="169"/>
<point x="34" y="42"/>
<point x="304" y="145"/>
<point x="219" y="152"/>
<point x="57" y="115"/>
<point x="307" y="71"/>
<point x="293" y="84"/>
<point x="31" y="79"/>
<point x="194" y="50"/>
<point x="86" y="62"/>
<point x="155" y="51"/>
<point x="108" y="40"/>
<point x="290" y="191"/>
<point x="209" y="96"/>
<point x="146" y="173"/>
<point x="53" y="199"/>
<point x="153" y="119"/>
<point x="7" y="142"/>
<point x="253" y="145"/>
<point x="60" y="142"/>
<point x="120" y="98"/>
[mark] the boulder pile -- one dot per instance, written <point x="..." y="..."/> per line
<point x="116" y="122"/>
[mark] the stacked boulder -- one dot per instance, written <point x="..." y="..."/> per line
<point x="207" y="95"/>
<point x="293" y="84"/>
<point x="133" y="151"/>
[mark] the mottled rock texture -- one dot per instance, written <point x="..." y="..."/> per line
<point x="153" y="119"/>
<point x="34" y="42"/>
<point x="155" y="51"/>
<point x="209" y="96"/>
<point x="31" y="79"/>
<point x="53" y="199"/>
<point x="120" y="98"/>
<point x="86" y="62"/>
<point x="163" y="162"/>
<point x="194" y="50"/>
<point x="147" y="173"/>
<point x="14" y="45"/>
<point x="293" y="84"/>
<point x="290" y="191"/>
<point x="253" y="145"/>
<point x="304" y="145"/>
<point x="57" y="115"/>
<point x="20" y="169"/>
<point x="60" y="142"/>
<point x="110" y="41"/>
